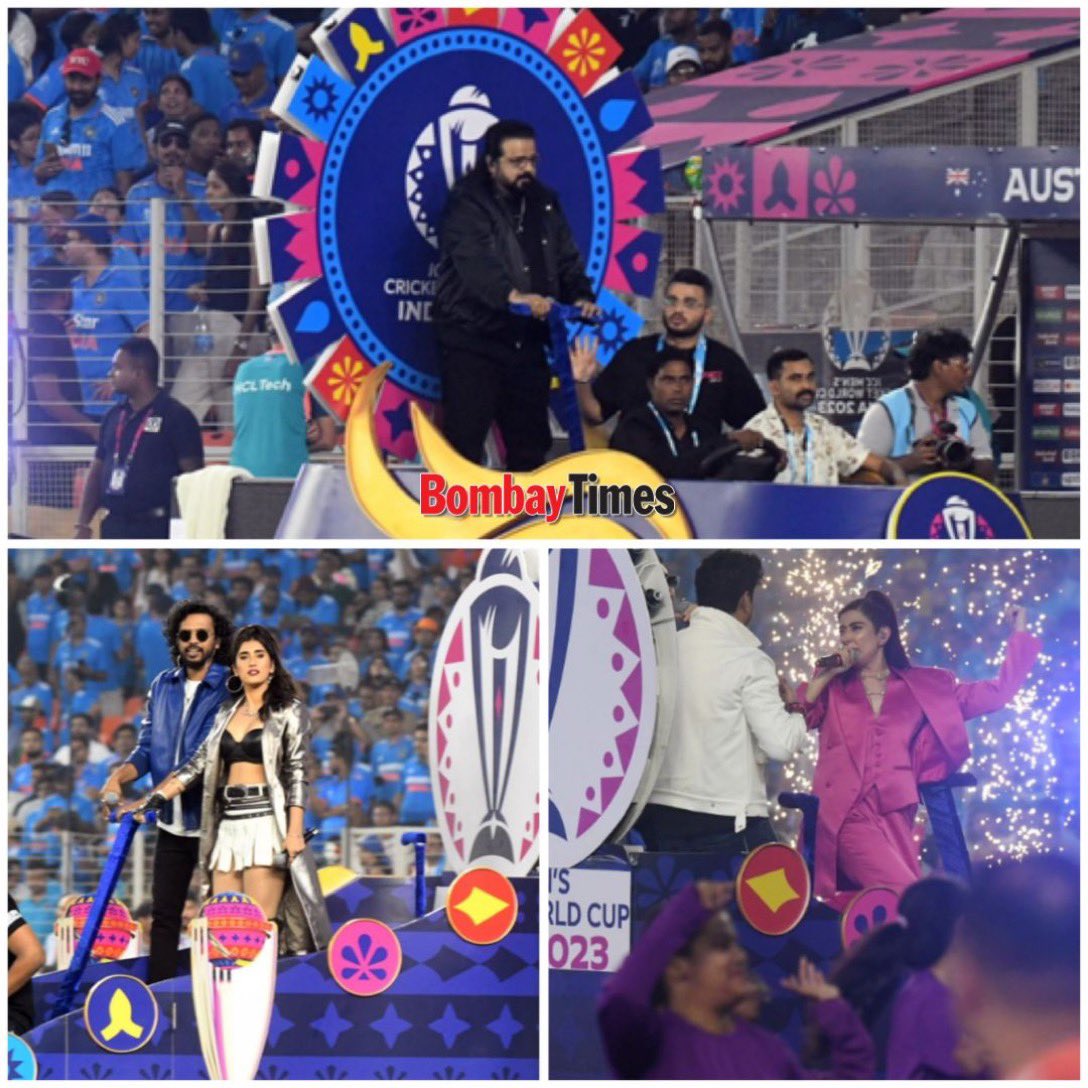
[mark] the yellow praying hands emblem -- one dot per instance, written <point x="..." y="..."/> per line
<point x="121" y="1018"/>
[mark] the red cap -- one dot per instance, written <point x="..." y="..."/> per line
<point x="84" y="62"/>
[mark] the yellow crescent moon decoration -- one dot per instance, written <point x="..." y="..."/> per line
<point x="397" y="513"/>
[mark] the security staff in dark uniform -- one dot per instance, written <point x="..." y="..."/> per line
<point x="144" y="443"/>
<point x="504" y="240"/>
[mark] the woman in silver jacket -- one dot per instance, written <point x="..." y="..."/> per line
<point x="253" y="765"/>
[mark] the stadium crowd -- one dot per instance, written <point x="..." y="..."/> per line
<point x="359" y="632"/>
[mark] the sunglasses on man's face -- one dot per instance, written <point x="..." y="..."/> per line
<point x="173" y="141"/>
<point x="200" y="634"/>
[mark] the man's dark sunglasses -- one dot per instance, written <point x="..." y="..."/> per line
<point x="174" y="140"/>
<point x="200" y="635"/>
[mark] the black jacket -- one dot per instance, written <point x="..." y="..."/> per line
<point x="481" y="262"/>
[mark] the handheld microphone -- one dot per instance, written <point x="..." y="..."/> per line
<point x="832" y="661"/>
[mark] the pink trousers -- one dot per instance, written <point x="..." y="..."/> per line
<point x="877" y="848"/>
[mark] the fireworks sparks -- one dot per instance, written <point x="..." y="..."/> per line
<point x="951" y="614"/>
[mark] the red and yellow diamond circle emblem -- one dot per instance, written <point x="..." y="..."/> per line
<point x="482" y="906"/>
<point x="773" y="889"/>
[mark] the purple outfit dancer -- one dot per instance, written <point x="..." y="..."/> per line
<point x="657" y="1043"/>
<point x="924" y="1036"/>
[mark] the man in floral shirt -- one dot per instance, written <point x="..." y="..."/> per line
<point x="819" y="452"/>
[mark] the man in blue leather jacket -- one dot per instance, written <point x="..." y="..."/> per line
<point x="181" y="707"/>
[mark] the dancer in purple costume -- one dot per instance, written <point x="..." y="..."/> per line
<point x="675" y="1009"/>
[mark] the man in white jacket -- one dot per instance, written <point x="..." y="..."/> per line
<point x="733" y="714"/>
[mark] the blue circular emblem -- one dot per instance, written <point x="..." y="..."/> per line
<point x="22" y="1062"/>
<point x="953" y="506"/>
<point x="121" y="1014"/>
<point x="405" y="136"/>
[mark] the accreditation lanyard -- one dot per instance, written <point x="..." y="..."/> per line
<point x="700" y="368"/>
<point x="669" y="436"/>
<point x="950" y="409"/>
<point x="808" y="445"/>
<point x="121" y="423"/>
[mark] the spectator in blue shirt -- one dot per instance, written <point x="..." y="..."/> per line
<point x="124" y="86"/>
<point x="41" y="607"/>
<point x="308" y="655"/>
<point x="331" y="800"/>
<point x="249" y="73"/>
<point x="24" y="134"/>
<point x="152" y="650"/>
<point x="204" y="68"/>
<point x="156" y="57"/>
<point x="319" y="608"/>
<point x="239" y="596"/>
<point x="418" y="805"/>
<point x="417" y="692"/>
<point x="749" y="25"/>
<point x="274" y="37"/>
<point x="424" y="641"/>
<point x="187" y="215"/>
<point x="25" y="714"/>
<point x="388" y="757"/>
<point x="81" y="652"/>
<point x="30" y="684"/>
<point x="269" y="608"/>
<point x="78" y="30"/>
<point x="39" y="906"/>
<point x="679" y="27"/>
<point x="361" y="787"/>
<point x="85" y="142"/>
<point x="30" y="754"/>
<point x="174" y="103"/>
<point x="108" y="306"/>
<point x="399" y="621"/>
<point x="75" y="696"/>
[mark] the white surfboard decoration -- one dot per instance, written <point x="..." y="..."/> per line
<point x="233" y="955"/>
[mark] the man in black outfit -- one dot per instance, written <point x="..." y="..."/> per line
<point x="144" y="443"/>
<point x="504" y="240"/>
<point x="25" y="957"/>
<point x="724" y="393"/>
<point x="661" y="432"/>
<point x="181" y="707"/>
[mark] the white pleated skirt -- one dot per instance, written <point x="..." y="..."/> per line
<point x="244" y="841"/>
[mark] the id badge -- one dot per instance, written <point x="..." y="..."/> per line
<point x="117" y="482"/>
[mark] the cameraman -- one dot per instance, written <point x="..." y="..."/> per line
<point x="932" y="424"/>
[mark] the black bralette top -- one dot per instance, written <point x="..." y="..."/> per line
<point x="246" y="750"/>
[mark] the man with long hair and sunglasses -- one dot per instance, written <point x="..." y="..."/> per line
<point x="181" y="707"/>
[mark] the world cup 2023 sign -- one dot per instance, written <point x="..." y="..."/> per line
<point x="387" y="116"/>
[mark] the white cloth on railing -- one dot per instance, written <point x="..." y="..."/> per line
<point x="203" y="497"/>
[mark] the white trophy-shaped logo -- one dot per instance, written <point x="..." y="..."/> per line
<point x="442" y="154"/>
<point x="855" y="326"/>
<point x="960" y="521"/>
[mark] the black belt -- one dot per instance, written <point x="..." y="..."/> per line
<point x="236" y="793"/>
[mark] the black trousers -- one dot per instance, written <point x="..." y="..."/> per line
<point x="675" y="831"/>
<point x="175" y="860"/>
<point x="126" y="527"/>
<point x="478" y="391"/>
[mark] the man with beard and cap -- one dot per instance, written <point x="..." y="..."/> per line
<point x="181" y="707"/>
<point x="504" y="240"/>
<point x="187" y="215"/>
<point x="724" y="393"/>
<point x="819" y="452"/>
<point x="86" y="144"/>
<point x="906" y="424"/>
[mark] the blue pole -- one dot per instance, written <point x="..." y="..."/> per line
<point x="103" y="893"/>
<point x="419" y="840"/>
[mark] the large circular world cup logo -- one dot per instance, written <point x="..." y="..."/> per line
<point x="392" y="112"/>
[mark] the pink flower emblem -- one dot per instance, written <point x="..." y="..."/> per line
<point x="835" y="187"/>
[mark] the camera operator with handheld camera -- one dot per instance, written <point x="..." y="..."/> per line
<point x="932" y="424"/>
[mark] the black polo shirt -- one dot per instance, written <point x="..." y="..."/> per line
<point x="171" y="433"/>
<point x="728" y="394"/>
<point x="640" y="434"/>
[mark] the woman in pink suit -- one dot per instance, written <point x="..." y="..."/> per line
<point x="886" y="727"/>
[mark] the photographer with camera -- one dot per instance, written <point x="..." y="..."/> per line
<point x="932" y="424"/>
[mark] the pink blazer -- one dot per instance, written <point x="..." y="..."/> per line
<point x="939" y="749"/>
